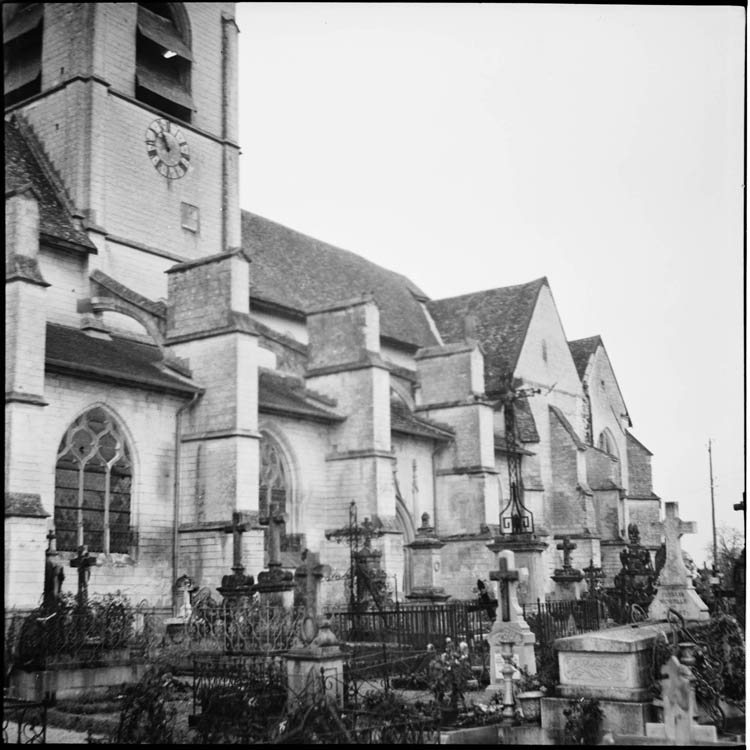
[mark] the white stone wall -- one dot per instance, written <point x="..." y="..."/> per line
<point x="148" y="421"/>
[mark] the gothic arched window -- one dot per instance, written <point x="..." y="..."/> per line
<point x="275" y="492"/>
<point x="93" y="479"/>
<point x="607" y="444"/>
<point x="273" y="477"/>
<point x="163" y="59"/>
<point x="22" y="51"/>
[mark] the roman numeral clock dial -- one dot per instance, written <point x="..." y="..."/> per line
<point x="167" y="149"/>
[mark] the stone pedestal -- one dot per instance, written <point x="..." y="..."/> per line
<point x="509" y="625"/>
<point x="426" y="566"/>
<point x="316" y="668"/>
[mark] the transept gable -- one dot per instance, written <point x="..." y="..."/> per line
<point x="500" y="319"/>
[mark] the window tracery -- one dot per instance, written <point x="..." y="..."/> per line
<point x="93" y="482"/>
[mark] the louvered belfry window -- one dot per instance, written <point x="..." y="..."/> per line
<point x="163" y="59"/>
<point x="22" y="52"/>
<point x="93" y="480"/>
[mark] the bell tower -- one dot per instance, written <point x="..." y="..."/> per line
<point x="135" y="107"/>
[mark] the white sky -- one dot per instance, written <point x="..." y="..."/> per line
<point x="476" y="146"/>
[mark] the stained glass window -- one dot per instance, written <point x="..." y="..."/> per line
<point x="93" y="479"/>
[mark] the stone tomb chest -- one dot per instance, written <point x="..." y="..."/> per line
<point x="612" y="664"/>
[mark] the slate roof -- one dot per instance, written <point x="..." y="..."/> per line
<point x="288" y="397"/>
<point x="501" y="318"/>
<point x="404" y="422"/>
<point x="22" y="168"/>
<point x="525" y="422"/>
<point x="298" y="272"/>
<point x="582" y="351"/>
<point x="568" y="427"/>
<point x="73" y="352"/>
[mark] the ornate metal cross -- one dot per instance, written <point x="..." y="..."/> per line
<point x="83" y="562"/>
<point x="506" y="577"/>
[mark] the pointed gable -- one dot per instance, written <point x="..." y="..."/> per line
<point x="501" y="319"/>
<point x="297" y="272"/>
<point x="582" y="351"/>
<point x="22" y="167"/>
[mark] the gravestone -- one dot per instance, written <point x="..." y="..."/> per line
<point x="237" y="586"/>
<point x="567" y="578"/>
<point x="678" y="697"/>
<point x="54" y="575"/>
<point x="275" y="585"/>
<point x="83" y="562"/>
<point x="509" y="620"/>
<point x="674" y="587"/>
<point x="307" y="579"/>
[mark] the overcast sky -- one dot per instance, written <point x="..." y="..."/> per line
<point x="477" y="146"/>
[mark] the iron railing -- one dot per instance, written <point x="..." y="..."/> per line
<point x="551" y="620"/>
<point x="24" y="722"/>
<point x="413" y="625"/>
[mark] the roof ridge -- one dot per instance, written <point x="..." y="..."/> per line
<point x="359" y="257"/>
<point x="541" y="281"/>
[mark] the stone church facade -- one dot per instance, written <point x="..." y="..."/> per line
<point x="172" y="359"/>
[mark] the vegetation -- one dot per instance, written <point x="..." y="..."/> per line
<point x="583" y="719"/>
<point x="729" y="545"/>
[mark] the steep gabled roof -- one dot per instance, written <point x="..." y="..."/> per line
<point x="298" y="272"/>
<point x="72" y="352"/>
<point x="287" y="396"/>
<point x="406" y="423"/>
<point x="582" y="351"/>
<point x="501" y="320"/>
<point x="22" y="167"/>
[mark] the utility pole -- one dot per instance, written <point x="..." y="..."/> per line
<point x="713" y="510"/>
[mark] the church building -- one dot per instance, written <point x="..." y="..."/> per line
<point x="173" y="360"/>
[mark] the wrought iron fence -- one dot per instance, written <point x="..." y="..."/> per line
<point x="241" y="628"/>
<point x="24" y="722"/>
<point x="551" y="620"/>
<point x="413" y="625"/>
<point x="239" y="696"/>
<point x="104" y="629"/>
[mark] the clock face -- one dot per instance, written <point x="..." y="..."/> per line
<point x="167" y="149"/>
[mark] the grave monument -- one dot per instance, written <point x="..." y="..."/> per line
<point x="674" y="587"/>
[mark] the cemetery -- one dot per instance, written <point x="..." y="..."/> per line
<point x="259" y="661"/>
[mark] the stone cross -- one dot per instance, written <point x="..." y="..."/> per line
<point x="507" y="578"/>
<point x="83" y="561"/>
<point x="311" y="571"/>
<point x="566" y="546"/>
<point x="674" y="587"/>
<point x="237" y="529"/>
<point x="274" y="520"/>
<point x="674" y="570"/>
